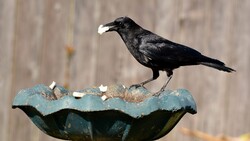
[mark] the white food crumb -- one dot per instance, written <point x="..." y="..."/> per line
<point x="78" y="94"/>
<point x="52" y="85"/>
<point x="102" y="29"/>
<point x="104" y="97"/>
<point x="103" y="88"/>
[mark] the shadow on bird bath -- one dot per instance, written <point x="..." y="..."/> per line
<point x="104" y="113"/>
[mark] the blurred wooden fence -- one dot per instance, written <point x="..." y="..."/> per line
<point x="34" y="34"/>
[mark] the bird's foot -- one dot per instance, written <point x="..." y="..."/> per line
<point x="136" y="86"/>
<point x="158" y="93"/>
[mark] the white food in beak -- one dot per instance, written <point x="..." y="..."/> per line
<point x="102" y="29"/>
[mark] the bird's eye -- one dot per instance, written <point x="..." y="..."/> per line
<point x="119" y="23"/>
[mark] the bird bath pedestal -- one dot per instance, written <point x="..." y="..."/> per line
<point x="113" y="113"/>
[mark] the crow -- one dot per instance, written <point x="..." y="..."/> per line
<point x="156" y="52"/>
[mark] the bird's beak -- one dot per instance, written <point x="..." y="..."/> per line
<point x="106" y="28"/>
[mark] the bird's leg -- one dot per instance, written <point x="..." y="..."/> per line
<point x="170" y="75"/>
<point x="165" y="85"/>
<point x="155" y="76"/>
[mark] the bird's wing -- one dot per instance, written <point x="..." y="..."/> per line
<point x="160" y="49"/>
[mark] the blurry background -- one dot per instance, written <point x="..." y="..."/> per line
<point x="34" y="35"/>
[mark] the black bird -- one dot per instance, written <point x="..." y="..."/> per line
<point x="157" y="53"/>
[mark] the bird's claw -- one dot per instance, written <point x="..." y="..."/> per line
<point x="136" y="86"/>
<point x="158" y="93"/>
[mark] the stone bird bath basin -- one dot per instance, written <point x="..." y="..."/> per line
<point x="113" y="113"/>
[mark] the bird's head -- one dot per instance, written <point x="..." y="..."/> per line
<point x="119" y="25"/>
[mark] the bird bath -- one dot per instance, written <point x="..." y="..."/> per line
<point x="104" y="113"/>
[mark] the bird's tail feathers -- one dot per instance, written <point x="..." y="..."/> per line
<point x="216" y="64"/>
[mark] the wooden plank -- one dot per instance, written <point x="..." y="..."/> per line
<point x="210" y="88"/>
<point x="217" y="93"/>
<point x="7" y="20"/>
<point x="55" y="41"/>
<point x="238" y="55"/>
<point x="26" y="63"/>
<point x="85" y="43"/>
